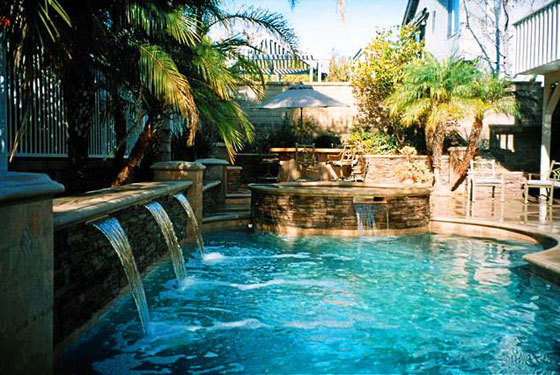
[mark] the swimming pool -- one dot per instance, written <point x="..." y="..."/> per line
<point x="262" y="303"/>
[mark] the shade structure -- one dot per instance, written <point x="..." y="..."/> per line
<point x="301" y="96"/>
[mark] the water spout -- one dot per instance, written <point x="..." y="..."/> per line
<point x="166" y="227"/>
<point x="192" y="217"/>
<point x="112" y="229"/>
<point x="366" y="217"/>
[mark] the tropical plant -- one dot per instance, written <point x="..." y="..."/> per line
<point x="380" y="68"/>
<point x="487" y="94"/>
<point x="433" y="94"/>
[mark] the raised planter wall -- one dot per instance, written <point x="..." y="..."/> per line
<point x="87" y="272"/>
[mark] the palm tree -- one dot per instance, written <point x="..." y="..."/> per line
<point x="205" y="66"/>
<point x="487" y="94"/>
<point x="432" y="94"/>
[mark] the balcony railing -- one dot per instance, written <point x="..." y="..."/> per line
<point x="537" y="49"/>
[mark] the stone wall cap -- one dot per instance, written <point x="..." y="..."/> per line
<point x="178" y="165"/>
<point x="16" y="186"/>
<point x="88" y="206"/>
<point x="212" y="161"/>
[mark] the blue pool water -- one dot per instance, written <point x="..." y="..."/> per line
<point x="262" y="303"/>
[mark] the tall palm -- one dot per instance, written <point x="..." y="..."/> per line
<point x="487" y="94"/>
<point x="432" y="94"/>
<point x="212" y="82"/>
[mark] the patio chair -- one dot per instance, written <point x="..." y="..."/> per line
<point x="359" y="170"/>
<point x="347" y="157"/>
<point x="551" y="181"/>
<point x="483" y="173"/>
<point x="305" y="155"/>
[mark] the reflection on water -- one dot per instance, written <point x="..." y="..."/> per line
<point x="411" y="304"/>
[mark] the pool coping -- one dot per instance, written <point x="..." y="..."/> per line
<point x="341" y="189"/>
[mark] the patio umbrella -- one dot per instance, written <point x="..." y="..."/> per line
<point x="301" y="96"/>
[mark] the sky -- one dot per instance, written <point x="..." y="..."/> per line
<point x="318" y="25"/>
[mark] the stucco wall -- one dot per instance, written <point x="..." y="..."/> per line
<point x="335" y="119"/>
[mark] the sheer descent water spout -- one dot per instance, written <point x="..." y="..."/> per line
<point x="192" y="217"/>
<point x="112" y="229"/>
<point x="166" y="226"/>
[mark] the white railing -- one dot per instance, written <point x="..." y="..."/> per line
<point x="40" y="129"/>
<point x="537" y="35"/>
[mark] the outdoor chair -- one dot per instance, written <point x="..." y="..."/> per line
<point x="347" y="157"/>
<point x="483" y="173"/>
<point x="551" y="181"/>
<point x="359" y="170"/>
<point x="305" y="155"/>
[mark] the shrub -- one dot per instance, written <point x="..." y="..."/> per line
<point x="413" y="170"/>
<point x="373" y="142"/>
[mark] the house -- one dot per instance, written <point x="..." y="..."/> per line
<point x="471" y="29"/>
<point x="487" y="30"/>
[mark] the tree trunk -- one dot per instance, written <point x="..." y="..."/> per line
<point x="434" y="140"/>
<point x="78" y="87"/>
<point x="119" y="118"/>
<point x="474" y="137"/>
<point x="144" y="141"/>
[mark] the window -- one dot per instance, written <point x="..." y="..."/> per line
<point x="452" y="17"/>
<point x="434" y="22"/>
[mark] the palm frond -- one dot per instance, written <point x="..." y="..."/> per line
<point x="160" y="76"/>
<point x="273" y="23"/>
<point x="156" y="22"/>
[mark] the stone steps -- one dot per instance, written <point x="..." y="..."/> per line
<point x="238" y="199"/>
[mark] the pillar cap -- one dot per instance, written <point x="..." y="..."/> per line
<point x="15" y="186"/>
<point x="178" y="166"/>
<point x="212" y="161"/>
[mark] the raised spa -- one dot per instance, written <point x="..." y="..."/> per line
<point x="340" y="208"/>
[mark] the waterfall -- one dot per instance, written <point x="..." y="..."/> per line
<point x="114" y="232"/>
<point x="365" y="215"/>
<point x="166" y="227"/>
<point x="192" y="217"/>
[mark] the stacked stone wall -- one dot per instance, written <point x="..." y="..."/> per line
<point x="335" y="212"/>
<point x="87" y="271"/>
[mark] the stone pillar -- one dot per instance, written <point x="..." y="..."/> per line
<point x="216" y="171"/>
<point x="3" y="109"/>
<point x="184" y="170"/>
<point x="26" y="273"/>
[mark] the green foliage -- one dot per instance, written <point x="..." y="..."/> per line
<point x="373" y="142"/>
<point x="340" y="69"/>
<point x="374" y="78"/>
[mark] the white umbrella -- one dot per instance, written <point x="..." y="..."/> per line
<point x="301" y="96"/>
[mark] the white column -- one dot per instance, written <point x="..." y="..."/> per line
<point x="310" y="74"/>
<point x="546" y="129"/>
<point x="319" y="72"/>
<point x="3" y="109"/>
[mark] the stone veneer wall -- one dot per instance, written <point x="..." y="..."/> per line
<point x="87" y="271"/>
<point x="332" y="213"/>
<point x="382" y="168"/>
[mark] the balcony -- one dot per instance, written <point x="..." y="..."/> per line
<point x="537" y="49"/>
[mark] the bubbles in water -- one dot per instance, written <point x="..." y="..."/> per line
<point x="213" y="257"/>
